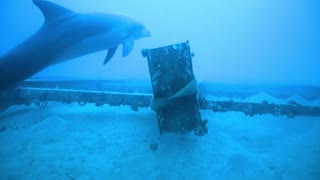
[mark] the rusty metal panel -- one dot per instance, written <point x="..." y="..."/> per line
<point x="175" y="89"/>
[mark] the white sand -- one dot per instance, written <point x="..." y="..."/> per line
<point x="74" y="142"/>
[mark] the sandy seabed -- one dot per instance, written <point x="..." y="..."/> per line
<point x="64" y="141"/>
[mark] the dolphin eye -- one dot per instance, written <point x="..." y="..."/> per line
<point x="137" y="29"/>
<point x="140" y="27"/>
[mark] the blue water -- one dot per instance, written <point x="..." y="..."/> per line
<point x="235" y="42"/>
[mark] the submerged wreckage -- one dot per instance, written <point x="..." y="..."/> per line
<point x="174" y="94"/>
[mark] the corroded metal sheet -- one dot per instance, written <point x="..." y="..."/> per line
<point x="175" y="89"/>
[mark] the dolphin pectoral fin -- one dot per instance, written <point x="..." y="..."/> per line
<point x="110" y="54"/>
<point x="127" y="47"/>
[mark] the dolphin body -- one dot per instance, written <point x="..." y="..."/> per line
<point x="65" y="35"/>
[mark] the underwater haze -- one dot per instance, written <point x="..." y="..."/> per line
<point x="245" y="106"/>
<point x="273" y="42"/>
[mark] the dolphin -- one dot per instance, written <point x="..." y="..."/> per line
<point x="66" y="35"/>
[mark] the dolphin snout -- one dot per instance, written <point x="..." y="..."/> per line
<point x="146" y="33"/>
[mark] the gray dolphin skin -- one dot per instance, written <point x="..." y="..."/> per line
<point x="66" y="35"/>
